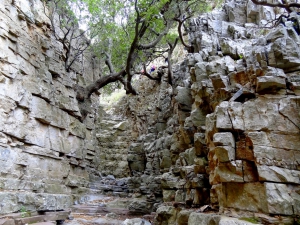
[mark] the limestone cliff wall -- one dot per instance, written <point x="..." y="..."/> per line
<point x="250" y="81"/>
<point x="47" y="154"/>
<point x="227" y="132"/>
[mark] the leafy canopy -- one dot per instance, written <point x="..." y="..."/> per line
<point x="119" y="22"/>
<point x="127" y="34"/>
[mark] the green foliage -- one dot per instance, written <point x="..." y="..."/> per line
<point x="127" y="34"/>
<point x="219" y="3"/>
<point x="24" y="212"/>
<point x="263" y="31"/>
<point x="110" y="88"/>
<point x="115" y="23"/>
<point x="250" y="219"/>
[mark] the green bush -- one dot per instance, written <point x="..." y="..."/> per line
<point x="24" y="212"/>
<point x="250" y="219"/>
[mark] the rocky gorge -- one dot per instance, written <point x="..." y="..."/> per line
<point x="222" y="140"/>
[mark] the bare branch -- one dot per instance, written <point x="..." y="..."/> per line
<point x="101" y="82"/>
<point x="179" y="29"/>
<point x="79" y="52"/>
<point x="170" y="52"/>
<point x="131" y="54"/>
<point x="284" y="5"/>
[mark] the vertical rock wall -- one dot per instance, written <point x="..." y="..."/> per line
<point x="227" y="132"/>
<point x="47" y="154"/>
<point x="250" y="81"/>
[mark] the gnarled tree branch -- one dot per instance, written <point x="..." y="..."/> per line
<point x="287" y="6"/>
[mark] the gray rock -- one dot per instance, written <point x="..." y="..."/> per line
<point x="233" y="221"/>
<point x="224" y="139"/>
<point x="110" y="177"/>
<point x="140" y="206"/>
<point x="278" y="198"/>
<point x="270" y="84"/>
<point x="184" y="98"/>
<point x="136" y="221"/>
<point x="203" y="219"/>
<point x="111" y="215"/>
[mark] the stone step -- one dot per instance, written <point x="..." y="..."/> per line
<point x="41" y="218"/>
<point x="45" y="223"/>
<point x="98" y="209"/>
<point x="89" y="209"/>
<point x="116" y="145"/>
<point x="29" y="220"/>
<point x="17" y="215"/>
<point x="110" y="135"/>
<point x="7" y="221"/>
<point x="53" y="216"/>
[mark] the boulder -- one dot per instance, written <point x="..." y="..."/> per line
<point x="183" y="217"/>
<point x="225" y="153"/>
<point x="140" y="206"/>
<point x="236" y="195"/>
<point x="166" y="214"/>
<point x="279" y="199"/>
<point x="203" y="219"/>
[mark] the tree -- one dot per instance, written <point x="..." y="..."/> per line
<point x="288" y="6"/>
<point x="65" y="28"/>
<point x="128" y="34"/>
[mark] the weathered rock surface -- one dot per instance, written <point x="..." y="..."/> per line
<point x="47" y="154"/>
<point x="225" y="133"/>
<point x="231" y="139"/>
<point x="114" y="138"/>
<point x="32" y="217"/>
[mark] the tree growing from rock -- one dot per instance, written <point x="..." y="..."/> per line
<point x="127" y="35"/>
<point x="65" y="28"/>
<point x="288" y="8"/>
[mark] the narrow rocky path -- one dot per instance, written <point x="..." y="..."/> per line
<point x="104" y="210"/>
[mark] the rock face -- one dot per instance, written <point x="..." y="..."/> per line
<point x="226" y="133"/>
<point x="47" y="154"/>
<point x="251" y="137"/>
<point x="114" y="136"/>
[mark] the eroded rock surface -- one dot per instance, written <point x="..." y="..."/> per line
<point x="226" y="133"/>
<point x="47" y="154"/>
<point x="224" y="136"/>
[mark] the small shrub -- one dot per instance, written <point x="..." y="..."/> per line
<point x="250" y="219"/>
<point x="24" y="212"/>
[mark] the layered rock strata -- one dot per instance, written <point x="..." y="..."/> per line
<point x="226" y="133"/>
<point x="250" y="83"/>
<point x="47" y="154"/>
